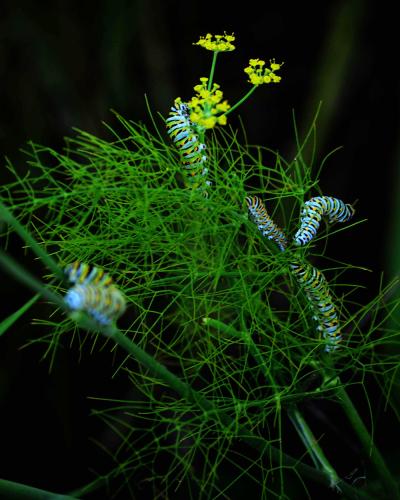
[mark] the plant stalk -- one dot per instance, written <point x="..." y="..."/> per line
<point x="311" y="444"/>
<point x="18" y="491"/>
<point x="8" y="217"/>
<point x="212" y="71"/>
<point x="241" y="101"/>
<point x="376" y="458"/>
<point x="13" y="268"/>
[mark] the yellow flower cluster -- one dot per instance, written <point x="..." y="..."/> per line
<point x="222" y="43"/>
<point x="207" y="107"/>
<point x="259" y="73"/>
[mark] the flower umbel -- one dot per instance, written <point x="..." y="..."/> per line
<point x="207" y="107"/>
<point x="222" y="43"/>
<point x="259" y="73"/>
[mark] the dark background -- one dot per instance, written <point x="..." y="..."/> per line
<point x="67" y="64"/>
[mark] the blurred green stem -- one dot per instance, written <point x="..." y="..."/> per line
<point x="13" y="268"/>
<point x="18" y="491"/>
<point x="8" y="217"/>
<point x="336" y="55"/>
<point x="6" y="323"/>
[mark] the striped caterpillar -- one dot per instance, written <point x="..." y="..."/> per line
<point x="94" y="293"/>
<point x="264" y="222"/>
<point x="315" y="287"/>
<point x="183" y="133"/>
<point x="83" y="274"/>
<point x="312" y="213"/>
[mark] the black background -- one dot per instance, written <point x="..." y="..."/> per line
<point x="67" y="64"/>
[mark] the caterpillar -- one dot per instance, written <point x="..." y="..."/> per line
<point x="315" y="287"/>
<point x="93" y="293"/>
<point x="182" y="132"/>
<point x="84" y="274"/>
<point x="103" y="303"/>
<point x="264" y="222"/>
<point x="312" y="213"/>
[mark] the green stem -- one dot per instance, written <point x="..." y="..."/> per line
<point x="312" y="446"/>
<point x="92" y="486"/>
<point x="18" y="491"/>
<point x="7" y="323"/>
<point x="244" y="98"/>
<point x="376" y="458"/>
<point x="8" y="217"/>
<point x="13" y="268"/>
<point x="212" y="71"/>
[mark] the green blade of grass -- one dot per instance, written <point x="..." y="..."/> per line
<point x="13" y="268"/>
<point x="8" y="322"/>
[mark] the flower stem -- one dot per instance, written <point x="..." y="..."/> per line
<point x="213" y="64"/>
<point x="309" y="441"/>
<point x="244" y="98"/>
<point x="366" y="440"/>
